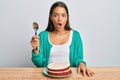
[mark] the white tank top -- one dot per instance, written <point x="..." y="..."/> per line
<point x="60" y="53"/>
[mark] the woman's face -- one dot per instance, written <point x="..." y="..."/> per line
<point x="59" y="18"/>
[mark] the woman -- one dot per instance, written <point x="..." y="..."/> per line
<point x="59" y="42"/>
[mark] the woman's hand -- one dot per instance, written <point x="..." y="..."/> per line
<point x="85" y="71"/>
<point x="35" y="43"/>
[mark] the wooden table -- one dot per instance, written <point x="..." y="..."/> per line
<point x="101" y="73"/>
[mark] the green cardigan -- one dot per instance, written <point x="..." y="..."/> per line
<point x="76" y="50"/>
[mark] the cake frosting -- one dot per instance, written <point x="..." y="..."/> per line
<point x="59" y="69"/>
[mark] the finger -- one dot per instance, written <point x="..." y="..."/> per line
<point x="35" y="44"/>
<point x="35" y="40"/>
<point x="92" y="74"/>
<point x="84" y="73"/>
<point x="88" y="73"/>
<point x="35" y="37"/>
<point x="78" y="70"/>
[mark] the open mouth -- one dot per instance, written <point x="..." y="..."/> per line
<point x="60" y="24"/>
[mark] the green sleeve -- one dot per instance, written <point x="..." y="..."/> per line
<point x="38" y="59"/>
<point x="78" y="50"/>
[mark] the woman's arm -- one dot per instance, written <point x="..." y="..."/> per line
<point x="78" y="53"/>
<point x="37" y="52"/>
<point x="79" y="58"/>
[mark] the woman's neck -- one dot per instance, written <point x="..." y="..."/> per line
<point x="60" y="32"/>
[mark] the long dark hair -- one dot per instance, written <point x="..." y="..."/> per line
<point x="50" y="26"/>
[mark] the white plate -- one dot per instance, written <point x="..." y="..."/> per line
<point x="45" y="72"/>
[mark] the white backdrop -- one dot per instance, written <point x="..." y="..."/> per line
<point x="98" y="21"/>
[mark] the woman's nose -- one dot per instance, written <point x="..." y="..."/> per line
<point x="60" y="18"/>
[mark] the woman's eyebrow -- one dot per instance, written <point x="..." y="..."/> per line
<point x="58" y="13"/>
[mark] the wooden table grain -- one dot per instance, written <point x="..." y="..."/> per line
<point x="101" y="73"/>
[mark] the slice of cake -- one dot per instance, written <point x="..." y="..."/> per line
<point x="59" y="69"/>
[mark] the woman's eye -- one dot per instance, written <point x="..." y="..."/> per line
<point x="63" y="15"/>
<point x="54" y="15"/>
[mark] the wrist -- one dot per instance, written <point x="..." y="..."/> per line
<point x="36" y="51"/>
<point x="81" y="63"/>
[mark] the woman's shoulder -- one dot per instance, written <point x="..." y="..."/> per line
<point x="43" y="32"/>
<point x="76" y="35"/>
<point x="75" y="32"/>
